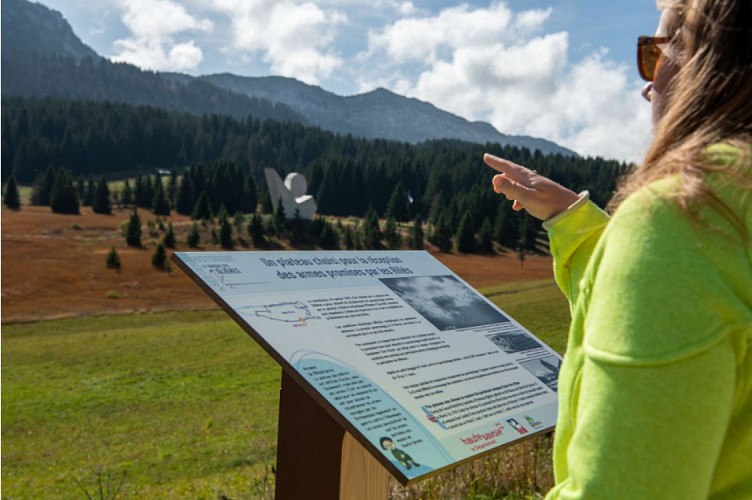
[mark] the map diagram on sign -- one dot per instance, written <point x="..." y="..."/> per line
<point x="287" y="312"/>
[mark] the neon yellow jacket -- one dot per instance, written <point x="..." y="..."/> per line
<point x="655" y="393"/>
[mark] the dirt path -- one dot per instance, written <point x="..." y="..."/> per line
<point x="53" y="266"/>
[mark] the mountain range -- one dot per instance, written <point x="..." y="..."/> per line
<point x="43" y="57"/>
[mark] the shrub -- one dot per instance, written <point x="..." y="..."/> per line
<point x="194" y="237"/>
<point x="11" y="197"/>
<point x="113" y="259"/>
<point x="159" y="259"/>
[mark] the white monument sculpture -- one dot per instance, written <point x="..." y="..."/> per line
<point x="291" y="192"/>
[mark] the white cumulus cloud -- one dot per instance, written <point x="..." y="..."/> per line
<point x="295" y="39"/>
<point x="154" y="25"/>
<point x="500" y="66"/>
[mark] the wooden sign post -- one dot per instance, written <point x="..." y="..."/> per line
<point x="316" y="454"/>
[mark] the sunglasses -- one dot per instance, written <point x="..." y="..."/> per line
<point x="649" y="55"/>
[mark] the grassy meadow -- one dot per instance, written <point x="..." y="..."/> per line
<point x="184" y="405"/>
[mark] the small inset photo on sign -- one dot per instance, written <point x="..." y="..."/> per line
<point x="545" y="369"/>
<point x="511" y="342"/>
<point x="444" y="301"/>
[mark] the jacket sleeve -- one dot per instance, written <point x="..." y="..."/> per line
<point x="650" y="432"/>
<point x="572" y="238"/>
<point x="662" y="303"/>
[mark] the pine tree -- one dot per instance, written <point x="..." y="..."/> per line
<point x="442" y="233"/>
<point x="11" y="198"/>
<point x="138" y="191"/>
<point x="238" y="222"/>
<point x="280" y="218"/>
<point x="225" y="234"/>
<point x="169" y="237"/>
<point x="64" y="195"/>
<point x="89" y="193"/>
<point x="529" y="230"/>
<point x="81" y="187"/>
<point x="185" y="199"/>
<point x="506" y="226"/>
<point x="159" y="258"/>
<point x="256" y="230"/>
<point x="160" y="204"/>
<point x="148" y="191"/>
<point x="202" y="209"/>
<point x="222" y="214"/>
<point x="329" y="238"/>
<point x="485" y="237"/>
<point x="127" y="199"/>
<point x="466" y="234"/>
<point x="326" y="197"/>
<point x="172" y="187"/>
<point x="194" y="236"/>
<point x="416" y="234"/>
<point x="392" y="235"/>
<point x="398" y="206"/>
<point x="42" y="187"/>
<point x="101" y="202"/>
<point x="133" y="230"/>
<point x="372" y="231"/>
<point x="349" y="238"/>
<point x="249" y="204"/>
<point x="267" y="204"/>
<point x="113" y="259"/>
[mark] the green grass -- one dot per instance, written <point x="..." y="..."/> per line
<point x="184" y="404"/>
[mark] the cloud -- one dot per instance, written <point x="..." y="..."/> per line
<point x="155" y="25"/>
<point x="497" y="65"/>
<point x="295" y="39"/>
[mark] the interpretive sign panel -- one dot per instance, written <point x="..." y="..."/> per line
<point x="422" y="369"/>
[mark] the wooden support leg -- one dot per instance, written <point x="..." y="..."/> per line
<point x="316" y="458"/>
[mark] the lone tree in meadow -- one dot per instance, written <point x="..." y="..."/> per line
<point x="64" y="195"/>
<point x="159" y="259"/>
<point x="11" y="198"/>
<point x="113" y="259"/>
<point x="100" y="204"/>
<point x="133" y="229"/>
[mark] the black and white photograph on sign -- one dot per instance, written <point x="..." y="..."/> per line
<point x="511" y="342"/>
<point x="444" y="301"/>
<point x="545" y="369"/>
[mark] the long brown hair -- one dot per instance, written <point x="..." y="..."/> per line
<point x="709" y="101"/>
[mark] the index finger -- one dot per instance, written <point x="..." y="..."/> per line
<point x="515" y="172"/>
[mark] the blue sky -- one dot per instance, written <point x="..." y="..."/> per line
<point x="559" y="69"/>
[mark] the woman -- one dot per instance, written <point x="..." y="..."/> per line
<point x="655" y="394"/>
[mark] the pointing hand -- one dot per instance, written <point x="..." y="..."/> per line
<point x="539" y="195"/>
